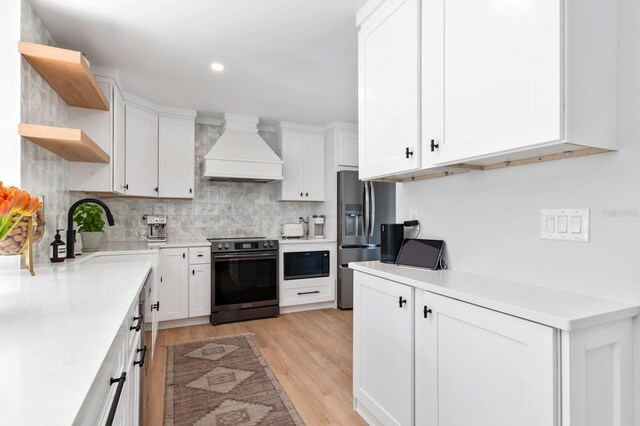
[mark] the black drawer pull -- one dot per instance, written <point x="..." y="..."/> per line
<point x="408" y="153"/>
<point x="137" y="326"/>
<point x="155" y="306"/>
<point x="401" y="301"/>
<point x="434" y="145"/>
<point x="144" y="355"/>
<point x="426" y="312"/>
<point x="200" y="254"/>
<point x="114" y="406"/>
<point x="309" y="292"/>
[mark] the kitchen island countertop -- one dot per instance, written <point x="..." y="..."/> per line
<point x="55" y="330"/>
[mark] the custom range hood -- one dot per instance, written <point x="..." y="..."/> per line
<point x="240" y="154"/>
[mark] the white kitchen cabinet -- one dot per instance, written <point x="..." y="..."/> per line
<point x="119" y="149"/>
<point x="106" y="129"/>
<point x="347" y="148"/>
<point x="302" y="153"/>
<point x="176" y="157"/>
<point x="141" y="152"/>
<point x="200" y="290"/>
<point x="389" y="89"/>
<point x="383" y="350"/>
<point x="512" y="95"/>
<point x="173" y="289"/>
<point x="531" y="89"/>
<point x="477" y="366"/>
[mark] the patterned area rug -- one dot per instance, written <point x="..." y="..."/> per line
<point x="223" y="381"/>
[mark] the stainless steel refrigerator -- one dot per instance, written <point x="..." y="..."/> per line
<point x="362" y="208"/>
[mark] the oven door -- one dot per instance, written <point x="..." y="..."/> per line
<point x="244" y="280"/>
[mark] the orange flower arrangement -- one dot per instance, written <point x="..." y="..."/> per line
<point x="15" y="205"/>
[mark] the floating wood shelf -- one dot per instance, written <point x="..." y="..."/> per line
<point x="72" y="144"/>
<point x="67" y="72"/>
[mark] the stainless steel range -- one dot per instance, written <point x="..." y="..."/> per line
<point x="244" y="279"/>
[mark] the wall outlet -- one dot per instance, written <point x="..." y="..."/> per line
<point x="413" y="214"/>
<point x="564" y="224"/>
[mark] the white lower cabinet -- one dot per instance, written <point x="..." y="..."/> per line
<point x="469" y="365"/>
<point x="200" y="290"/>
<point x="173" y="289"/>
<point x="383" y="350"/>
<point x="481" y="367"/>
<point x="185" y="283"/>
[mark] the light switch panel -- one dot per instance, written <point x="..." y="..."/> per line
<point x="564" y="224"/>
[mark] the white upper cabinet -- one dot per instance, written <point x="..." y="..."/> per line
<point x="491" y="77"/>
<point x="482" y="84"/>
<point x="176" y="157"/>
<point x="302" y="153"/>
<point x="119" y="134"/>
<point x="389" y="89"/>
<point x="347" y="147"/>
<point x="141" y="152"/>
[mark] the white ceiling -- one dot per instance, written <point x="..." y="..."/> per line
<point x="293" y="60"/>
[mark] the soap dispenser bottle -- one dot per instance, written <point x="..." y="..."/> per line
<point x="57" y="251"/>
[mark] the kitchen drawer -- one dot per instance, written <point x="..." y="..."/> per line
<point x="198" y="255"/>
<point x="100" y="395"/>
<point x="130" y="324"/>
<point x="304" y="295"/>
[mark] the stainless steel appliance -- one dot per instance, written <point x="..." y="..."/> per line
<point x="157" y="232"/>
<point x="362" y="207"/>
<point x="306" y="264"/>
<point x="316" y="226"/>
<point x="244" y="279"/>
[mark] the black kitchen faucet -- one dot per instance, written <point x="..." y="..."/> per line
<point x="70" y="236"/>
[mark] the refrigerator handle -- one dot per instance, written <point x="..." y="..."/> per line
<point x="372" y="209"/>
<point x="365" y="206"/>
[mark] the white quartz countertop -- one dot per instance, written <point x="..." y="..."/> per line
<point x="306" y="240"/>
<point x="143" y="245"/>
<point x="55" y="331"/>
<point x="555" y="308"/>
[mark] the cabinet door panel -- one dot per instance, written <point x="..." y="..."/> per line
<point x="491" y="77"/>
<point x="347" y="149"/>
<point x="176" y="157"/>
<point x="293" y="167"/>
<point x="119" y="154"/>
<point x="389" y="89"/>
<point x="481" y="367"/>
<point x="173" y="291"/>
<point x="200" y="290"/>
<point x="383" y="348"/>
<point x="313" y="168"/>
<point x="141" y="152"/>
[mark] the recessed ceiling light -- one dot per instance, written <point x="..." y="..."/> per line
<point x="217" y="66"/>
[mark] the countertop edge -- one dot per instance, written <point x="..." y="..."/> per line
<point x="564" y="324"/>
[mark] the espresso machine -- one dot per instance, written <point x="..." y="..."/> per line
<point x="316" y="226"/>
<point x="157" y="232"/>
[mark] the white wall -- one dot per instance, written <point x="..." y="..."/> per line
<point x="489" y="220"/>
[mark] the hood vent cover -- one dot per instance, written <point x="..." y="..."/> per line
<point x="241" y="155"/>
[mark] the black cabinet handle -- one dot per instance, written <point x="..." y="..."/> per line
<point x="156" y="189"/>
<point x="408" y="153"/>
<point x="401" y="301"/>
<point x="190" y="190"/>
<point x="308" y="292"/>
<point x="184" y="255"/>
<point x="307" y="194"/>
<point x="114" y="405"/>
<point x="426" y="312"/>
<point x="200" y="254"/>
<point x="301" y="194"/>
<point x="125" y="186"/>
<point x="144" y="355"/>
<point x="137" y="326"/>
<point x="434" y="145"/>
<point x="193" y="272"/>
<point x="155" y="306"/>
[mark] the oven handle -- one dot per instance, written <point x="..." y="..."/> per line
<point x="248" y="256"/>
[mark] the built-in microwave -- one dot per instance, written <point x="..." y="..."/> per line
<point x="306" y="264"/>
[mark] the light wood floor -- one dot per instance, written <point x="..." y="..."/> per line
<point x="309" y="352"/>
